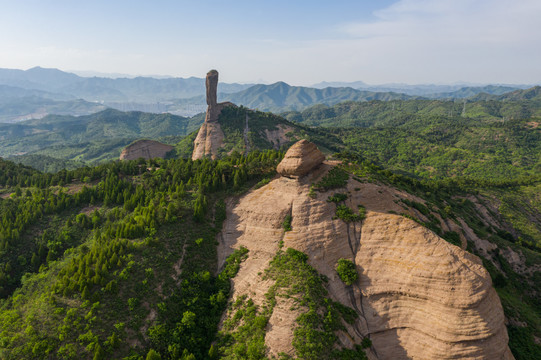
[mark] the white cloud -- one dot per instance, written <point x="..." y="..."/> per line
<point x="449" y="40"/>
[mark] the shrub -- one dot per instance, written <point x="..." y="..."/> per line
<point x="287" y="223"/>
<point x="153" y="355"/>
<point x="347" y="215"/>
<point x="347" y="271"/>
<point x="232" y="263"/>
<point x="453" y="237"/>
<point x="262" y="183"/>
<point x="366" y="343"/>
<point x="335" y="178"/>
<point x="337" y="198"/>
<point x="296" y="254"/>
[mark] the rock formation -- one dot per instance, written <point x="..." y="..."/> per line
<point x="209" y="139"/>
<point x="210" y="136"/>
<point x="211" y="84"/>
<point x="302" y="157"/>
<point x="417" y="297"/>
<point x="146" y="149"/>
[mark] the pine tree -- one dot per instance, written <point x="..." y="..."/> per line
<point x="86" y="294"/>
<point x="153" y="355"/>
<point x="98" y="352"/>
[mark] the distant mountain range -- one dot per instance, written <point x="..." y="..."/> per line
<point x="280" y="96"/>
<point x="141" y="89"/>
<point x="430" y="91"/>
<point x="34" y="93"/>
<point x="22" y="93"/>
<point x="533" y="94"/>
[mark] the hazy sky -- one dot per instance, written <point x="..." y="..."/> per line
<point x="298" y="41"/>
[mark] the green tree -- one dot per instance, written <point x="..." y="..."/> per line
<point x="98" y="353"/>
<point x="153" y="355"/>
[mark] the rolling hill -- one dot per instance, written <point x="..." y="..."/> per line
<point x="89" y="138"/>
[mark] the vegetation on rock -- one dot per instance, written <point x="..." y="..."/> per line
<point x="347" y="271"/>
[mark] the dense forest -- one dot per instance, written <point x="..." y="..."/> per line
<point x="84" y="253"/>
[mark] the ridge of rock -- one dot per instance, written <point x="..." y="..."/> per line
<point x="417" y="297"/>
<point x="146" y="149"/>
<point x="300" y="159"/>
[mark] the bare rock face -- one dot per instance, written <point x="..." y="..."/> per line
<point x="417" y="296"/>
<point x="146" y="149"/>
<point x="212" y="87"/>
<point x="209" y="139"/>
<point x="302" y="157"/>
<point x="214" y="108"/>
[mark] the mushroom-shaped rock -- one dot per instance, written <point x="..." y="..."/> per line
<point x="302" y="157"/>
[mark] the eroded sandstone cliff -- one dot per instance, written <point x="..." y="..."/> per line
<point x="417" y="296"/>
<point x="146" y="149"/>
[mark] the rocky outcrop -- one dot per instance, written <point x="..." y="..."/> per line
<point x="209" y="139"/>
<point x="210" y="136"/>
<point x="417" y="297"/>
<point x="146" y="149"/>
<point x="301" y="158"/>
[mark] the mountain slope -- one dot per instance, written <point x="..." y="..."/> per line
<point x="471" y="91"/>
<point x="18" y="104"/>
<point x="159" y="268"/>
<point x="533" y="94"/>
<point x="282" y="97"/>
<point x="54" y="135"/>
<point x="244" y="130"/>
<point x="37" y="78"/>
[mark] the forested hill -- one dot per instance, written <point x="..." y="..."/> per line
<point x="117" y="260"/>
<point x="89" y="138"/>
<point x="523" y="104"/>
<point x="496" y="140"/>
<point x="533" y="94"/>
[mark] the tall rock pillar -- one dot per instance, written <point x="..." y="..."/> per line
<point x="213" y="109"/>
<point x="212" y="87"/>
<point x="210" y="137"/>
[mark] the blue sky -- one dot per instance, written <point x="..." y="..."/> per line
<point x="297" y="41"/>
